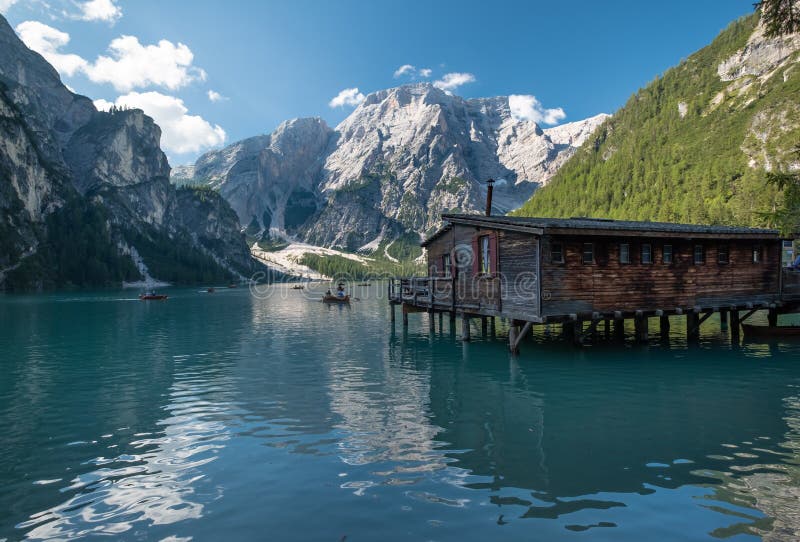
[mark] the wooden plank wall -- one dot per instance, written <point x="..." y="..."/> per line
<point x="608" y="285"/>
<point x="519" y="272"/>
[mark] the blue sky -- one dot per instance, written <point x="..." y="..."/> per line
<point x="272" y="61"/>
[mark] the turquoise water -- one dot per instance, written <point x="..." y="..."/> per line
<point x="230" y="417"/>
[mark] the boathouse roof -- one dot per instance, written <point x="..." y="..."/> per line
<point x="601" y="226"/>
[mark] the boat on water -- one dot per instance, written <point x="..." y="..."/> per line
<point x="766" y="331"/>
<point x="152" y="296"/>
<point x="211" y="290"/>
<point x="364" y="284"/>
<point x="298" y="287"/>
<point x="336" y="299"/>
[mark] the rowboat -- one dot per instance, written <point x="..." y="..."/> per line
<point x="152" y="296"/>
<point x="336" y="299"/>
<point x="765" y="331"/>
<point x="298" y="287"/>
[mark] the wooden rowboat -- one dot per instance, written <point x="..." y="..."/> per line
<point x="336" y="299"/>
<point x="765" y="331"/>
<point x="152" y="297"/>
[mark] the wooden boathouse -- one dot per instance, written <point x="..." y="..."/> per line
<point x="581" y="272"/>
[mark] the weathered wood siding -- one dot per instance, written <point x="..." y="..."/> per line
<point x="608" y="285"/>
<point x="519" y="273"/>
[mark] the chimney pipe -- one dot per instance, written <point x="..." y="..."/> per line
<point x="490" y="185"/>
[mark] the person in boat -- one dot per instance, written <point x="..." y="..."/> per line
<point x="796" y="263"/>
<point x="340" y="290"/>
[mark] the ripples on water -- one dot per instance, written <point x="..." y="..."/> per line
<point x="228" y="417"/>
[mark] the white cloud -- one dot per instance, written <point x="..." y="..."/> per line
<point x="130" y="64"/>
<point x="6" y="4"/>
<point x="452" y="81"/>
<point x="47" y="41"/>
<point x="133" y="65"/>
<point x="99" y="10"/>
<point x="215" y="96"/>
<point x="403" y="70"/>
<point x="412" y="72"/>
<point x="181" y="133"/>
<point x="526" y="107"/>
<point x="349" y="96"/>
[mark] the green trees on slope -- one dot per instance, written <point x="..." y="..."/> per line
<point x="685" y="148"/>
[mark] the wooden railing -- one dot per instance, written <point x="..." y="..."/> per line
<point x="446" y="293"/>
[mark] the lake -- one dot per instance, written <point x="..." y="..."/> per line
<point x="233" y="416"/>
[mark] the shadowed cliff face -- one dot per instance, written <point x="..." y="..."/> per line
<point x="403" y="157"/>
<point x="57" y="150"/>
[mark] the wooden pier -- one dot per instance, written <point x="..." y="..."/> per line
<point x="591" y="276"/>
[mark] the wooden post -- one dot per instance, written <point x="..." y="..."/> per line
<point x="392" y="309"/>
<point x="568" y="330"/>
<point x="492" y="328"/>
<point x="607" y="328"/>
<point x="513" y="332"/>
<point x="619" y="327"/>
<point x="484" y="327"/>
<point x="772" y="316"/>
<point x="441" y="320"/>
<point x="723" y="319"/>
<point x="465" y="336"/>
<point x="663" y="322"/>
<point x="405" y="317"/>
<point x="735" y="325"/>
<point x="577" y="334"/>
<point x="642" y="332"/>
<point x="431" y="321"/>
<point x="692" y="326"/>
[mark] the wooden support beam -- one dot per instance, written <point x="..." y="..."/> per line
<point x="663" y="322"/>
<point x="619" y="327"/>
<point x="431" y="322"/>
<point x="484" y="327"/>
<point x="748" y="314"/>
<point x="568" y="330"/>
<point x="405" y="318"/>
<point x="692" y="327"/>
<point x="772" y="317"/>
<point x="492" y="328"/>
<point x="705" y="317"/>
<point x="441" y="320"/>
<point x="392" y="308"/>
<point x="723" y="319"/>
<point x="516" y="338"/>
<point x="735" y="324"/>
<point x="641" y="323"/>
<point x="465" y="330"/>
<point x="607" y="328"/>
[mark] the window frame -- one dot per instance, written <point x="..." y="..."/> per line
<point x="671" y="254"/>
<point x="627" y="259"/>
<point x="757" y="254"/>
<point x="726" y="251"/>
<point x="649" y="260"/>
<point x="560" y="252"/>
<point x="484" y="255"/>
<point x="447" y="265"/>
<point x="702" y="259"/>
<point x="590" y="246"/>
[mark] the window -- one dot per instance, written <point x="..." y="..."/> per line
<point x="699" y="254"/>
<point x="557" y="253"/>
<point x="624" y="253"/>
<point x="588" y="253"/>
<point x="647" y="253"/>
<point x="446" y="265"/>
<point x="723" y="254"/>
<point x="484" y="265"/>
<point x="756" y="254"/>
<point x="666" y="254"/>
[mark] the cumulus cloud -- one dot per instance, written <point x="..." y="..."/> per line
<point x="526" y="107"/>
<point x="47" y="41"/>
<point x="133" y="65"/>
<point x="349" y="96"/>
<point x="181" y="133"/>
<point x="6" y="4"/>
<point x="215" y="96"/>
<point x="412" y="72"/>
<point x="451" y="81"/>
<point x="130" y="64"/>
<point x="99" y="10"/>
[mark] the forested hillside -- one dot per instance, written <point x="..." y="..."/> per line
<point x="694" y="145"/>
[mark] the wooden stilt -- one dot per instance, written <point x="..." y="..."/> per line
<point x="405" y="317"/>
<point x="568" y="331"/>
<point x="619" y="327"/>
<point x="516" y="337"/>
<point x="641" y="323"/>
<point x="692" y="326"/>
<point x="492" y="328"/>
<point x="484" y="327"/>
<point x="772" y="316"/>
<point x="663" y="324"/>
<point x="723" y="320"/>
<point x="392" y="308"/>
<point x="431" y="322"/>
<point x="607" y="328"/>
<point x="735" y="325"/>
<point x="441" y="320"/>
<point x="465" y="330"/>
